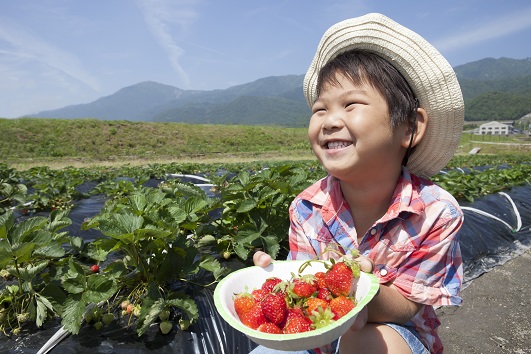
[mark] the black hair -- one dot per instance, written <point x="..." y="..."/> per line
<point x="364" y="67"/>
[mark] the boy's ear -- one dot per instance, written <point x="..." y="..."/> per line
<point x="420" y="129"/>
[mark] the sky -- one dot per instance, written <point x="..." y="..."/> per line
<point x="55" y="53"/>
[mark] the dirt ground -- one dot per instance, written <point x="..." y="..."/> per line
<point x="495" y="316"/>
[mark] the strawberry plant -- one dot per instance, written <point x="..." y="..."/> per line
<point x="255" y="210"/>
<point x="149" y="252"/>
<point x="30" y="252"/>
<point x="12" y="191"/>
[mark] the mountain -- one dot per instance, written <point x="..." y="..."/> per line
<point x="130" y="103"/>
<point x="493" y="89"/>
<point x="496" y="89"/>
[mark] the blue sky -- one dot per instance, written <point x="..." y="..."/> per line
<point x="55" y="53"/>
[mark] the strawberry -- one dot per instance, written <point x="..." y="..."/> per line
<point x="303" y="288"/>
<point x="270" y="283"/>
<point x="275" y="308"/>
<point x="259" y="294"/>
<point x="339" y="279"/>
<point x="294" y="311"/>
<point x="298" y="324"/>
<point x="254" y="317"/>
<point x="95" y="268"/>
<point x="341" y="305"/>
<point x="130" y="308"/>
<point x="243" y="303"/>
<point x="320" y="276"/>
<point x="165" y="327"/>
<point x="314" y="303"/>
<point x="269" y="327"/>
<point x="324" y="294"/>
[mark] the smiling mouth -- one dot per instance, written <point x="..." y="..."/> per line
<point x="337" y="144"/>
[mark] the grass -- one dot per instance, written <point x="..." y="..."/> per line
<point x="58" y="143"/>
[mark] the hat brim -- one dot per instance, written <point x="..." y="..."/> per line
<point x="429" y="74"/>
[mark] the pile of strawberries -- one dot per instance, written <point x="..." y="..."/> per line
<point x="302" y="303"/>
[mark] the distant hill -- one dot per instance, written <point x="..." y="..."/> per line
<point x="494" y="89"/>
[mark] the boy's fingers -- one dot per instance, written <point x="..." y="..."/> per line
<point x="366" y="264"/>
<point x="262" y="259"/>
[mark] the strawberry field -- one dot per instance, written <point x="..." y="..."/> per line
<point x="130" y="254"/>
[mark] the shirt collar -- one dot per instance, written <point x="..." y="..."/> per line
<point x="406" y="197"/>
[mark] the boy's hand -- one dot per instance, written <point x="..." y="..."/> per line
<point x="366" y="264"/>
<point x="262" y="259"/>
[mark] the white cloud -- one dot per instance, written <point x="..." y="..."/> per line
<point x="496" y="28"/>
<point x="26" y="46"/>
<point x="161" y="16"/>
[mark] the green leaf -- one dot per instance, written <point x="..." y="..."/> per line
<point x="28" y="272"/>
<point x="152" y="314"/>
<point x="187" y="305"/>
<point x="241" y="251"/>
<point x="22" y="232"/>
<point x="52" y="250"/>
<point x="42" y="311"/>
<point x="99" y="288"/>
<point x="272" y="245"/>
<point x="246" y="205"/>
<point x="6" y="223"/>
<point x="247" y="237"/>
<point x="211" y="264"/>
<point x="73" y="310"/>
<point x="207" y="240"/>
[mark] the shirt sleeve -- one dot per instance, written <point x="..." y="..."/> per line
<point x="432" y="274"/>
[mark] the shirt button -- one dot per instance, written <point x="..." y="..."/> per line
<point x="373" y="231"/>
<point x="383" y="272"/>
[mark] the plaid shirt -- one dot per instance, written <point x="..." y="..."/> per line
<point x="414" y="245"/>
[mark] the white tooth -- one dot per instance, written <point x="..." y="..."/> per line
<point x="337" y="144"/>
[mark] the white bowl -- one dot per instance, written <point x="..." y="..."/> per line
<point x="250" y="278"/>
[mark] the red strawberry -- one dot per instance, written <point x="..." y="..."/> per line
<point x="259" y="294"/>
<point x="324" y="294"/>
<point x="320" y="276"/>
<point x="269" y="327"/>
<point x="270" y="283"/>
<point x="95" y="268"/>
<point x="254" y="317"/>
<point x="298" y="324"/>
<point x="339" y="279"/>
<point x="294" y="311"/>
<point x="275" y="308"/>
<point x="303" y="289"/>
<point x="314" y="303"/>
<point x="341" y="305"/>
<point x="243" y="303"/>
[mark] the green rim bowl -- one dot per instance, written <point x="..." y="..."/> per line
<point x="250" y="278"/>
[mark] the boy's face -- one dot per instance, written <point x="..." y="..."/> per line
<point x="351" y="135"/>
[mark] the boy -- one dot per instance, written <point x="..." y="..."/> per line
<point x="387" y="112"/>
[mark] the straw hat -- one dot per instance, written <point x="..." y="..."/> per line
<point x="428" y="73"/>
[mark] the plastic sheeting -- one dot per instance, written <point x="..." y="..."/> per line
<point x="496" y="229"/>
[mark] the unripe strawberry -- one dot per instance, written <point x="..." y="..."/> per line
<point x="165" y="327"/>
<point x="124" y="304"/>
<point x="98" y="325"/>
<point x="184" y="324"/>
<point x="108" y="318"/>
<point x="164" y="315"/>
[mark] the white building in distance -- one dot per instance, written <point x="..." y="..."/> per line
<point x="496" y="128"/>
